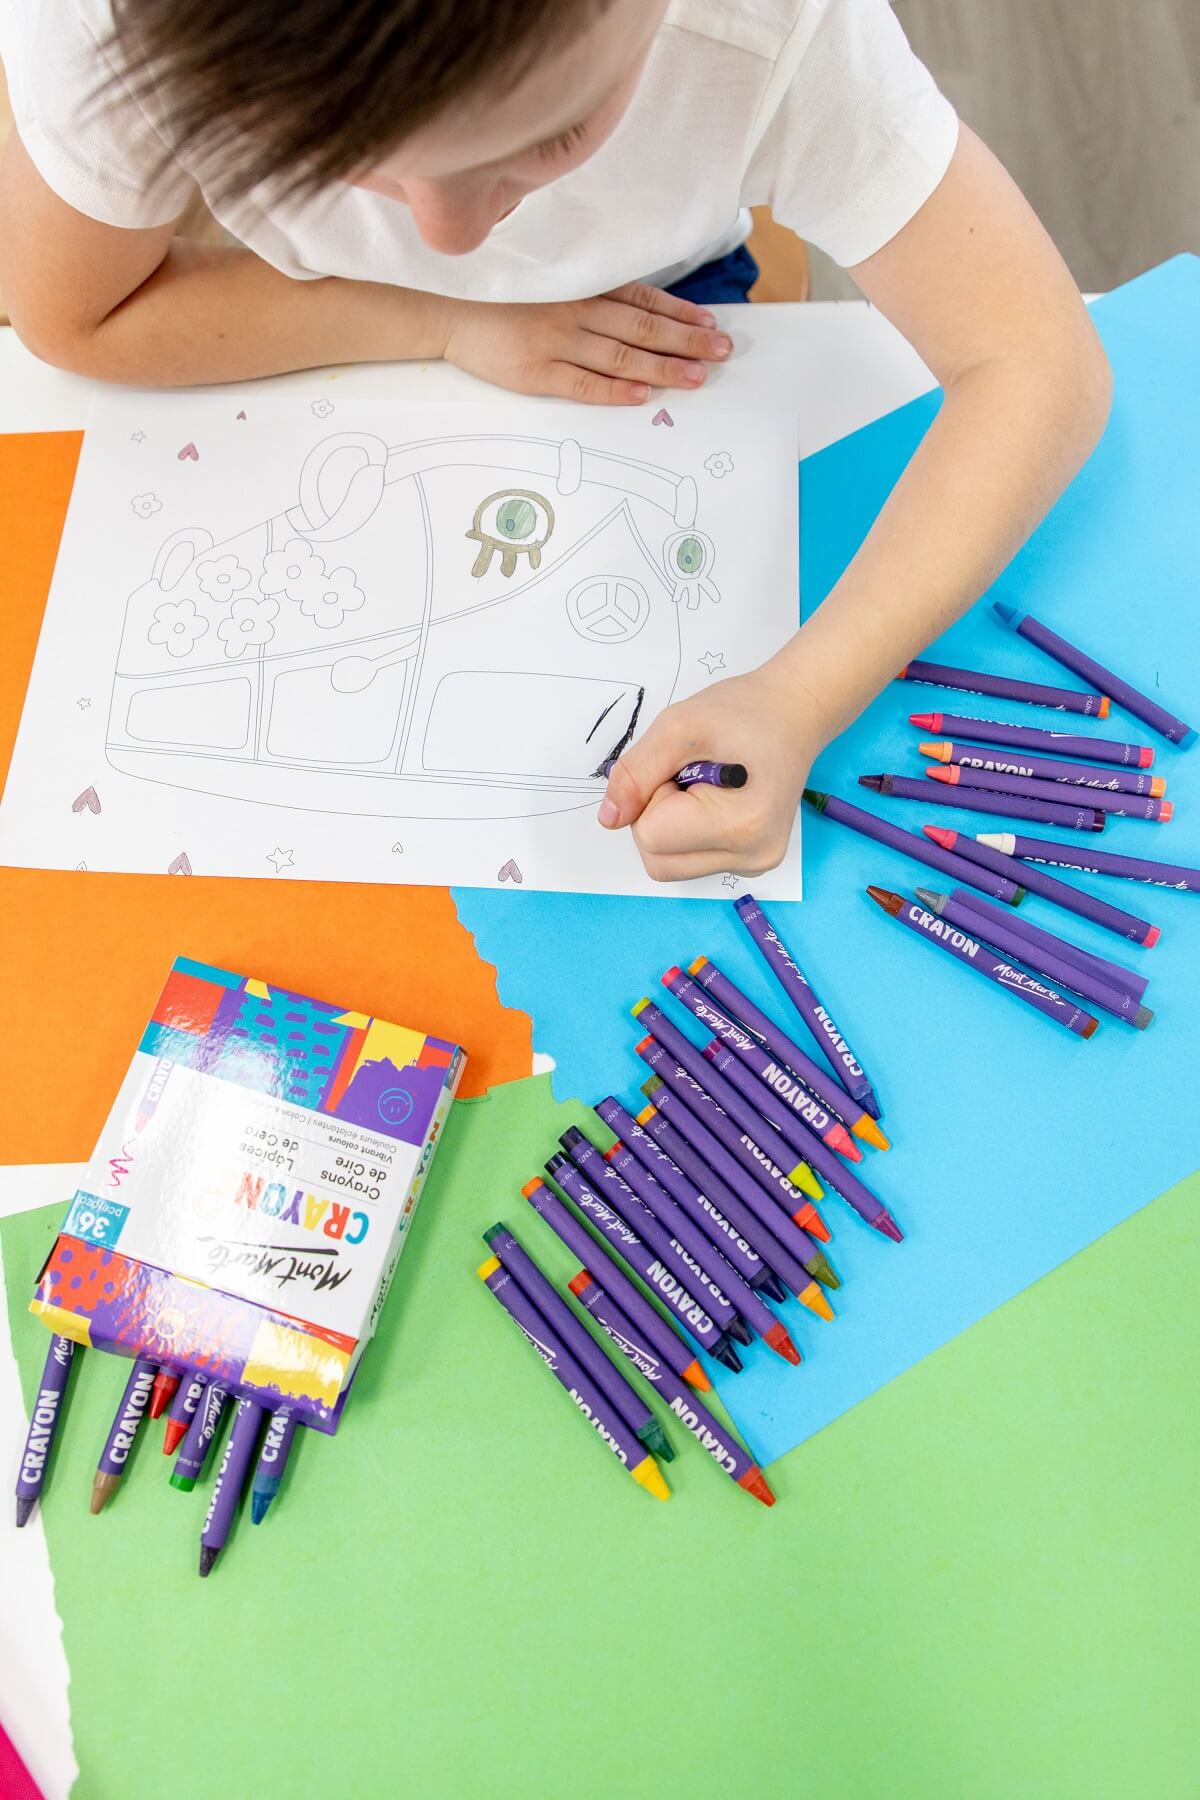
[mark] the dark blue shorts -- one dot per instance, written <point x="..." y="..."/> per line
<point x="729" y="278"/>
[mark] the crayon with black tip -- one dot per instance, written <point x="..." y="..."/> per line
<point x="240" y="1448"/>
<point x="972" y="799"/>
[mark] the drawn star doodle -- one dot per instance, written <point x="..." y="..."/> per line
<point x="83" y="703"/>
<point x="282" y="859"/>
<point x="712" y="660"/>
<point x="137" y="437"/>
<point x="729" y="881"/>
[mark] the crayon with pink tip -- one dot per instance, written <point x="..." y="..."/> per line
<point x="1061" y="893"/>
<point x="1033" y="737"/>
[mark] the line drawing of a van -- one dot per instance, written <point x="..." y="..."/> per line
<point x="458" y="627"/>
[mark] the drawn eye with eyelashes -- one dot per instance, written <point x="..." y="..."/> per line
<point x="514" y="522"/>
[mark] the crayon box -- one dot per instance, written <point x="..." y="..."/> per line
<point x="251" y="1193"/>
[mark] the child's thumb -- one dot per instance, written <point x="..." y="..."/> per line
<point x="644" y="767"/>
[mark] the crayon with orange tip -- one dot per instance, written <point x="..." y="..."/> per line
<point x="609" y="1427"/>
<point x="1071" y="657"/>
<point x="668" y="1346"/>
<point x="712" y="1436"/>
<point x="1026" y="788"/>
<point x="988" y="760"/>
<point x="1004" y="687"/>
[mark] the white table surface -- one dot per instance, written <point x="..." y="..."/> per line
<point x="837" y="366"/>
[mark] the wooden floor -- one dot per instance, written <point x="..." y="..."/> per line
<point x="1094" y="108"/>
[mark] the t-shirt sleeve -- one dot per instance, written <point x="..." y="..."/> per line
<point x="854" y="133"/>
<point x="87" y="136"/>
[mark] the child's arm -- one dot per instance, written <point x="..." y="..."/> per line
<point x="980" y="292"/>
<point x="137" y="306"/>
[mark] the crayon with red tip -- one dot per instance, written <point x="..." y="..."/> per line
<point x="638" y="1256"/>
<point x="183" y="1410"/>
<point x="826" y="1033"/>
<point x="720" y="1442"/>
<point x="1110" y="974"/>
<point x="829" y="1093"/>
<point x="912" y="844"/>
<point x="1032" y="737"/>
<point x="162" y="1393"/>
<point x="756" y="1313"/>
<point x="694" y="996"/>
<point x="838" y="1174"/>
<point x="706" y="1281"/>
<point x="1071" y="818"/>
<point x="1003" y="687"/>
<point x="609" y="1427"/>
<point x="114" y="1458"/>
<point x="1025" y="787"/>
<point x="1088" y="669"/>
<point x="1072" y="899"/>
<point x="272" y="1461"/>
<point x="688" y="1194"/>
<point x="619" y="1392"/>
<point x="652" y="1327"/>
<point x="988" y="760"/>
<point x="1095" y="862"/>
<point x="969" y="949"/>
<point x="1064" y="975"/>
<point x="44" y="1420"/>
<point x="240" y="1447"/>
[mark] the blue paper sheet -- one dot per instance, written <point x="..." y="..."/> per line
<point x="1015" y="1144"/>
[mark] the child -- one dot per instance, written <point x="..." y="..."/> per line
<point x="515" y="185"/>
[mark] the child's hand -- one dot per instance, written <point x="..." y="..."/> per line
<point x="610" y="351"/>
<point x="764" y="720"/>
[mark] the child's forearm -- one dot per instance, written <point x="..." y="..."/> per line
<point x="212" y="314"/>
<point x="1008" y="438"/>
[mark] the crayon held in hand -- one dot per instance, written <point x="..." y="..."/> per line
<point x="1088" y="669"/>
<point x="182" y="1411"/>
<point x="1072" y="818"/>
<point x="1061" y="893"/>
<point x="609" y="1428"/>
<point x="971" y="951"/>
<point x="1026" y="788"/>
<point x="717" y="1439"/>
<point x="272" y="1461"/>
<point x="816" y="1016"/>
<point x="912" y="844"/>
<point x="1003" y="687"/>
<point x="711" y="774"/>
<point x="1092" y="861"/>
<point x="231" y="1479"/>
<point x="44" y="1420"/>
<point x="1031" y="737"/>
<point x="990" y="760"/>
<point x="652" y="1327"/>
<point x="114" y="1458"/>
<point x="1065" y="975"/>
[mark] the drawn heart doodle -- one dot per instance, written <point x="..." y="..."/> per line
<point x="510" y="872"/>
<point x="189" y="453"/>
<point x="241" y="415"/>
<point x="662" y="417"/>
<point x="89" y="798"/>
<point x="181" y="865"/>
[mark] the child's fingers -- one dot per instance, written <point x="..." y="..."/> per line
<point x="612" y="357"/>
<point x="656" y="331"/>
<point x="657" y="300"/>
<point x="567" y="381"/>
<point x="645" y="767"/>
<point x="689" y="865"/>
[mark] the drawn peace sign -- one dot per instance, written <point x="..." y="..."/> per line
<point x="608" y="609"/>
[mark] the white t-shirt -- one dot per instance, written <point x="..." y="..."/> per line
<point x="817" y="108"/>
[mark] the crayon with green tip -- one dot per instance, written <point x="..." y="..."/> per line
<point x="198" y="1439"/>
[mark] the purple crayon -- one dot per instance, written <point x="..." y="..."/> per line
<point x="799" y="990"/>
<point x="1094" y="862"/>
<point x="720" y="1443"/>
<point x="1032" y="737"/>
<point x="1053" y="968"/>
<point x="272" y="1461"/>
<point x="656" y="1161"/>
<point x="685" y="1230"/>
<point x="909" y="843"/>
<point x="1072" y="899"/>
<point x="608" y="1425"/>
<point x="1025" y="787"/>
<point x="1002" y="687"/>
<point x="653" y="1328"/>
<point x="43" y="1424"/>
<point x="231" y="1477"/>
<point x="1043" y="812"/>
<point x="711" y="774"/>
<point x="660" y="1276"/>
<point x="182" y="1411"/>
<point x="124" y="1429"/>
<point x="1118" y="689"/>
<point x="1111" y="974"/>
<point x="198" y="1440"/>
<point x="661" y="1238"/>
<point x="988" y="760"/>
<point x="970" y="949"/>
<point x="713" y="1135"/>
<point x="624" y="1399"/>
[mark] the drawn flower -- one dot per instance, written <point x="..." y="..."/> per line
<point x="719" y="464"/>
<point x="322" y="408"/>
<point x="250" y="622"/>
<point x="178" y="625"/>
<point x="221" y="577"/>
<point x="146" y="505"/>
<point x="337" y="595"/>
<point x="296" y="570"/>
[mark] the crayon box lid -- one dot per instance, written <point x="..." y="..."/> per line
<point x="268" y="1146"/>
